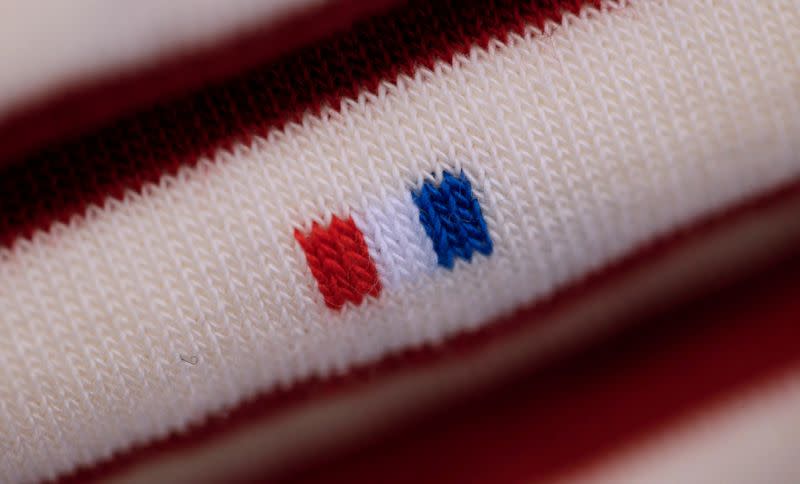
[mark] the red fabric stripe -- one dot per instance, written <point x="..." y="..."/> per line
<point x="62" y="180"/>
<point x="574" y="412"/>
<point x="77" y="108"/>
<point x="339" y="260"/>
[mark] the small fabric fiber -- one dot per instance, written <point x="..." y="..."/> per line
<point x="452" y="219"/>
<point x="339" y="261"/>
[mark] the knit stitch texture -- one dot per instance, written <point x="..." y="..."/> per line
<point x="582" y="139"/>
<point x="63" y="180"/>
<point x="337" y="256"/>
<point x="452" y="219"/>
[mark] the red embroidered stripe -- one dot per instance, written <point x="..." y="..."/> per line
<point x="339" y="260"/>
<point x="62" y="180"/>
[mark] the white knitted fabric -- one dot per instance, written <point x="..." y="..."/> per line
<point x="397" y="242"/>
<point x="581" y="144"/>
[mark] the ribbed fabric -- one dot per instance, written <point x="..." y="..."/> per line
<point x="64" y="180"/>
<point x="581" y="142"/>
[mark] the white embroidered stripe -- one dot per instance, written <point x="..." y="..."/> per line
<point x="615" y="127"/>
<point x="397" y="242"/>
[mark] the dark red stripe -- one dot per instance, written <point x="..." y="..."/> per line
<point x="77" y="108"/>
<point x="760" y="339"/>
<point x="62" y="180"/>
<point x="580" y="409"/>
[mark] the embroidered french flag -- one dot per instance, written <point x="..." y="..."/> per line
<point x="397" y="242"/>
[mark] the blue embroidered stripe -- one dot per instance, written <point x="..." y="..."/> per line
<point x="452" y="218"/>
